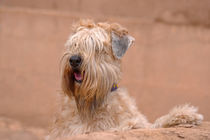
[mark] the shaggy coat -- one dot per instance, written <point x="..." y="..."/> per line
<point x="88" y="102"/>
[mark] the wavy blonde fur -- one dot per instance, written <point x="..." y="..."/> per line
<point x="91" y="105"/>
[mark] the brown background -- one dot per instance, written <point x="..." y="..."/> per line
<point x="168" y="65"/>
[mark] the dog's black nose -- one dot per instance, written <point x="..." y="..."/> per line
<point x="75" y="61"/>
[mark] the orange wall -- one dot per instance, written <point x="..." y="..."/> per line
<point x="167" y="66"/>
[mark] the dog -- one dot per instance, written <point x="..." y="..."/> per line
<point x="91" y="99"/>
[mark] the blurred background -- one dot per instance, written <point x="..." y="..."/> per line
<point x="168" y="65"/>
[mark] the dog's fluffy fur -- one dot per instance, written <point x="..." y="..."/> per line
<point x="90" y="105"/>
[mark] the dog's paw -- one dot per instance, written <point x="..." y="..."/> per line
<point x="180" y="115"/>
<point x="185" y="114"/>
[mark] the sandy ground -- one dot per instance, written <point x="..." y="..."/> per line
<point x="194" y="133"/>
<point x="167" y="66"/>
<point x="13" y="130"/>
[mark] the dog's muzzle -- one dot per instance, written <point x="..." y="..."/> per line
<point x="75" y="61"/>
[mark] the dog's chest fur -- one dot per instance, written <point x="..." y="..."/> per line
<point x="118" y="112"/>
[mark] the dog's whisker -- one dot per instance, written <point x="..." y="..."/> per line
<point x="62" y="60"/>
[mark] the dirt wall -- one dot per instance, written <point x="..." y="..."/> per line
<point x="167" y="66"/>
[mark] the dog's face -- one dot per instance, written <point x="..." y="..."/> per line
<point x="91" y="63"/>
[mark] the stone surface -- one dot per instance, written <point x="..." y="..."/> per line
<point x="195" y="133"/>
<point x="11" y="129"/>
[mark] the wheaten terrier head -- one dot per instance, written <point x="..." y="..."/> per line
<point x="91" y="62"/>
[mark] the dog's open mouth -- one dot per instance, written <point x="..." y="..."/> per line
<point x="78" y="76"/>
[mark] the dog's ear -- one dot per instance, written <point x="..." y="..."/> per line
<point x="120" y="44"/>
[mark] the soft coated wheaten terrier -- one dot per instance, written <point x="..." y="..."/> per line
<point x="90" y="99"/>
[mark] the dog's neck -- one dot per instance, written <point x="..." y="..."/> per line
<point x="88" y="108"/>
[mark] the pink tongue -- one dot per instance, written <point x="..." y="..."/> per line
<point x="78" y="76"/>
